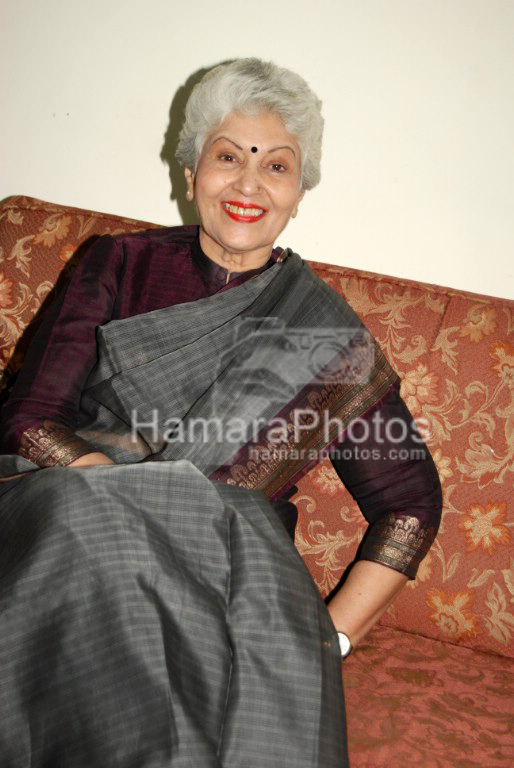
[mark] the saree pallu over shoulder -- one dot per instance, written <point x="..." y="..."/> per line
<point x="250" y="385"/>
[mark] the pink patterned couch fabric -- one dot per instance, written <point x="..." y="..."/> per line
<point x="433" y="684"/>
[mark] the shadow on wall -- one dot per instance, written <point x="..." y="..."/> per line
<point x="187" y="211"/>
<point x="176" y="172"/>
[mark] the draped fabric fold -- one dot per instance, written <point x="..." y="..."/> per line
<point x="151" y="618"/>
<point x="250" y="386"/>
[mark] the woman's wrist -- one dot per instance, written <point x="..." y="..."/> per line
<point x="50" y="444"/>
<point x="365" y="596"/>
<point x="91" y="460"/>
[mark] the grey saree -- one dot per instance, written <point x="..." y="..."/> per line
<point x="151" y="616"/>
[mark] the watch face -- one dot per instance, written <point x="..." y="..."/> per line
<point x="344" y="644"/>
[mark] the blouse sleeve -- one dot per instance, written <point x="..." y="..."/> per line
<point x="386" y="466"/>
<point x="39" y="418"/>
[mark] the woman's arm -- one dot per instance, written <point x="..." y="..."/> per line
<point x="393" y="478"/>
<point x="366" y="594"/>
<point x="39" y="419"/>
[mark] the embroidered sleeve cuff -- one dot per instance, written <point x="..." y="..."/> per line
<point x="51" y="444"/>
<point x="398" y="542"/>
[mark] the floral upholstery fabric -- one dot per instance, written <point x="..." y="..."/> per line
<point x="411" y="699"/>
<point x="455" y="355"/>
<point x="38" y="240"/>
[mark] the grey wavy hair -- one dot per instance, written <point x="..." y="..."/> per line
<point x="252" y="86"/>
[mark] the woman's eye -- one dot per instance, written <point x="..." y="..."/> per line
<point x="227" y="157"/>
<point x="278" y="167"/>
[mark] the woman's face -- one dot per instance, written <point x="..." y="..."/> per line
<point x="247" y="186"/>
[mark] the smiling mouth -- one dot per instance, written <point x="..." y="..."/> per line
<point x="245" y="212"/>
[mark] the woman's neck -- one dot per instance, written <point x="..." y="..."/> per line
<point x="233" y="261"/>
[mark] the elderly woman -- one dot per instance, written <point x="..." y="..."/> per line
<point x="154" y="610"/>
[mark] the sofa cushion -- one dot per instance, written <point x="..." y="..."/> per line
<point x="418" y="702"/>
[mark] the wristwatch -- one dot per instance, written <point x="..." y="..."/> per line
<point x="344" y="645"/>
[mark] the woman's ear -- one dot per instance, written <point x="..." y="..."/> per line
<point x="190" y="182"/>
<point x="295" y="209"/>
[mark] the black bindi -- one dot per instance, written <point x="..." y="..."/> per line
<point x="254" y="149"/>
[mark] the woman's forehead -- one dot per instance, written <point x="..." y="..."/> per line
<point x="262" y="132"/>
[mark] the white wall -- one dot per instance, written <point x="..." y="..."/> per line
<point x="418" y="166"/>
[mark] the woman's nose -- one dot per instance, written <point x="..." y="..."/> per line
<point x="248" y="180"/>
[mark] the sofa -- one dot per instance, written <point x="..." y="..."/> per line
<point x="432" y="685"/>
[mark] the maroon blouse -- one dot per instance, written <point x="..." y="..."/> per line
<point x="398" y="491"/>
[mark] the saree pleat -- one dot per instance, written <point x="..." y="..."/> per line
<point x="153" y="618"/>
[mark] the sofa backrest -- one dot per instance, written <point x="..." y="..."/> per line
<point x="455" y="354"/>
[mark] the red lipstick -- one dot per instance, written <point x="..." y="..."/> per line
<point x="234" y="209"/>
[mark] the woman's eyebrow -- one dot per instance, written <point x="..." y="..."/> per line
<point x="274" y="149"/>
<point x="286" y="146"/>
<point x="226" y="138"/>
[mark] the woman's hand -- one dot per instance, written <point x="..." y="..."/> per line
<point x="91" y="460"/>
